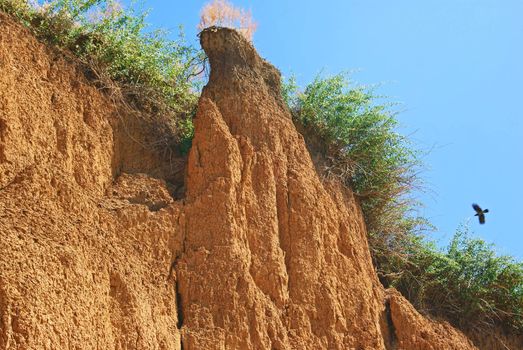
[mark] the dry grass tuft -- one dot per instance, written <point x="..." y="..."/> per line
<point x="222" y="13"/>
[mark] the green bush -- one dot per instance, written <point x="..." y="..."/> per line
<point x="153" y="72"/>
<point x="466" y="283"/>
<point x="358" y="140"/>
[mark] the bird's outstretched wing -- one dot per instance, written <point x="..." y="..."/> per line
<point x="477" y="208"/>
<point x="481" y="218"/>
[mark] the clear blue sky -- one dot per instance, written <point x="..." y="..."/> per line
<point x="457" y="67"/>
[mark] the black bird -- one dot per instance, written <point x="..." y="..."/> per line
<point x="480" y="213"/>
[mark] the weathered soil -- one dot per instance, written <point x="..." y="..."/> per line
<point x="260" y="253"/>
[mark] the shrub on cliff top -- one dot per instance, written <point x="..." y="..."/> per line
<point x="152" y="71"/>
<point x="361" y="147"/>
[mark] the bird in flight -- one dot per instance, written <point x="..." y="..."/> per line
<point x="480" y="213"/>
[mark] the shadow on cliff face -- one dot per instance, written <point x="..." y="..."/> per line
<point x="148" y="145"/>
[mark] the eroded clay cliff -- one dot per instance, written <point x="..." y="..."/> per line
<point x="260" y="253"/>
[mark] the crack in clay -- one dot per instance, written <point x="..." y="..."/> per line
<point x="177" y="293"/>
<point x="391" y="342"/>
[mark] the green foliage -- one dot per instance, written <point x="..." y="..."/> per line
<point x="153" y="72"/>
<point x="358" y="138"/>
<point x="467" y="283"/>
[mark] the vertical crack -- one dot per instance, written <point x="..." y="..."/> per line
<point x="178" y="297"/>
<point x="174" y="273"/>
<point x="179" y="308"/>
<point x="389" y="331"/>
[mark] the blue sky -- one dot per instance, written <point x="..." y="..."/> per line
<point x="455" y="65"/>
